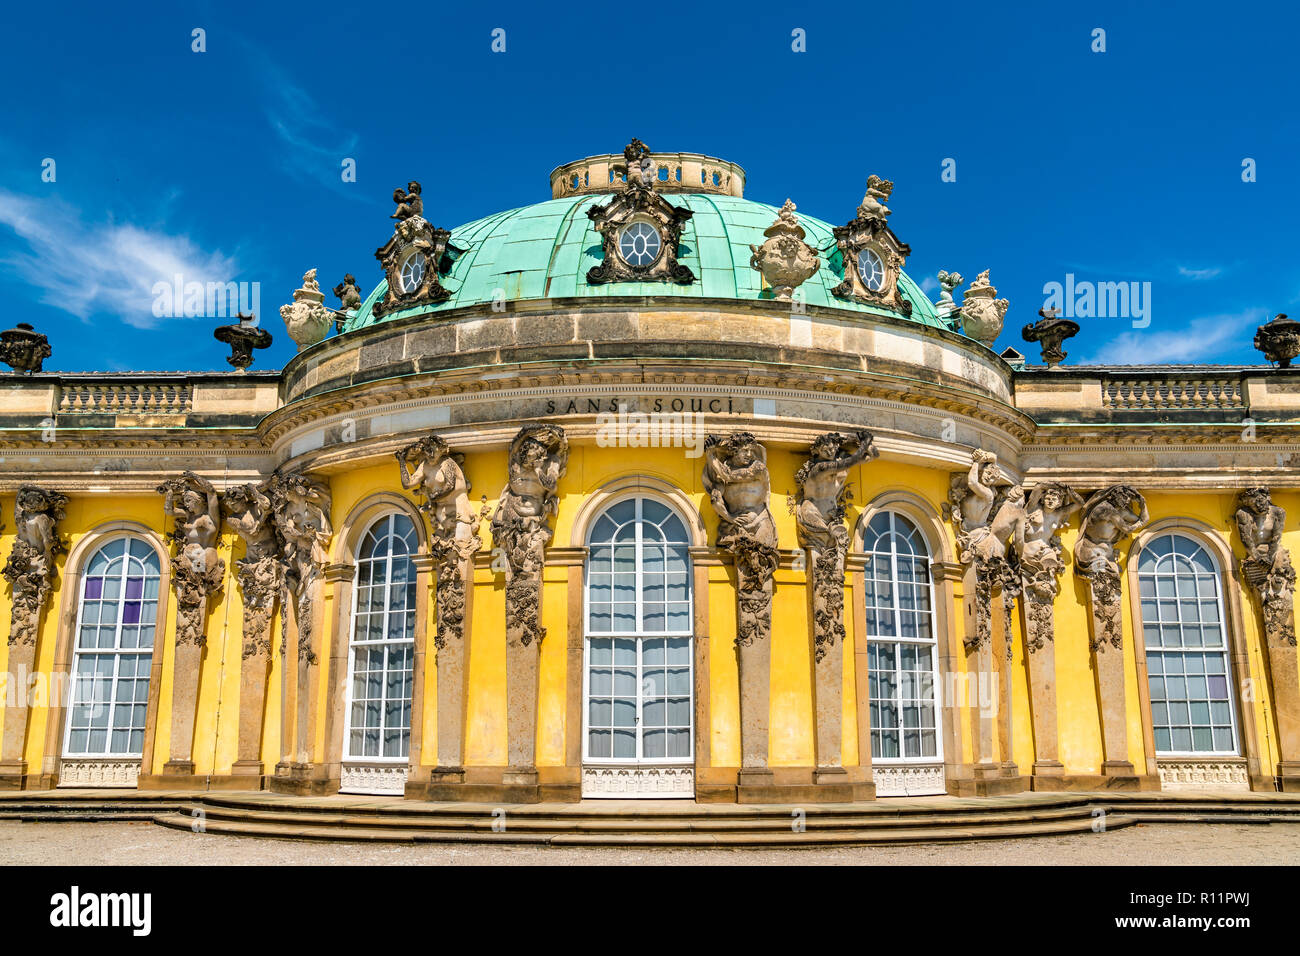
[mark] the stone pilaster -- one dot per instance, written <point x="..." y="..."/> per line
<point x="1040" y="653"/>
<point x="455" y="608"/>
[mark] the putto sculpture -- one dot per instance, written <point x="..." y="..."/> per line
<point x="539" y="456"/>
<point x="24" y="349"/>
<point x="432" y="470"/>
<point x="1267" y="566"/>
<point x="821" y="498"/>
<point x="30" y="568"/>
<point x="946" y="307"/>
<point x="348" y="293"/>
<point x="306" y="318"/>
<point x="784" y="259"/>
<point x="409" y="203"/>
<point x="982" y="313"/>
<point x="199" y="570"/>
<point x="738" y="485"/>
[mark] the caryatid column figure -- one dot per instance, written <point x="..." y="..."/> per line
<point x="1037" y="547"/>
<point x="249" y="513"/>
<point x="197" y="573"/>
<point x="737" y="481"/>
<point x="30" y="573"/>
<point x="433" y="471"/>
<point x="1268" y="570"/>
<point x="821" y="487"/>
<point x="1108" y="516"/>
<point x="538" y="458"/>
<point x="986" y="507"/>
<point x="301" y="512"/>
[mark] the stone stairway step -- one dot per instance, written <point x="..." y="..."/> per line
<point x="866" y="836"/>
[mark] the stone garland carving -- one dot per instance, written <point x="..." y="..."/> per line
<point x="539" y="456"/>
<point x="870" y="231"/>
<point x="784" y="259"/>
<point x="30" y="568"/>
<point x="249" y="512"/>
<point x="432" y="470"/>
<point x="1107" y="517"/>
<point x="738" y="484"/>
<point x="1037" y="550"/>
<point x="638" y="201"/>
<point x="821" y="497"/>
<point x="412" y="281"/>
<point x="982" y="313"/>
<point x="1267" y="567"/>
<point x="300" y="507"/>
<point x="199" y="570"/>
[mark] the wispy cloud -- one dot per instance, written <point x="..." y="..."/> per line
<point x="1199" y="340"/>
<point x="1198" y="274"/>
<point x="109" y="267"/>
<point x="929" y="285"/>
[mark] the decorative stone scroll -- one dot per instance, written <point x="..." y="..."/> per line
<point x="822" y="495"/>
<point x="538" y="458"/>
<point x="30" y="572"/>
<point x="1108" y="516"/>
<point x="639" y="202"/>
<point x="197" y="573"/>
<point x="412" y="257"/>
<point x="738" y="485"/>
<point x="784" y="259"/>
<point x="873" y="256"/>
<point x="1270" y="575"/>
<point x="249" y="512"/>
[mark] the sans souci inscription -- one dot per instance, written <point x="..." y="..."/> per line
<point x="658" y="405"/>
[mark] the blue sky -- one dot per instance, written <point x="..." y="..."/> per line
<point x="1122" y="166"/>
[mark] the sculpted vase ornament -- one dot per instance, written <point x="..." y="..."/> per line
<point x="1049" y="332"/>
<point x="784" y="259"/>
<point x="982" y="313"/>
<point x="1279" y="340"/>
<point x="306" y="318"/>
<point x="24" y="349"/>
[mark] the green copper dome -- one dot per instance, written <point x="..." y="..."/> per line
<point x="544" y="251"/>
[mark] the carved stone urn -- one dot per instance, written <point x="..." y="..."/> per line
<point x="1279" y="340"/>
<point x="242" y="337"/>
<point x="982" y="311"/>
<point x="306" y="318"/>
<point x="1049" y="332"/>
<point x="24" y="349"/>
<point x="784" y="259"/>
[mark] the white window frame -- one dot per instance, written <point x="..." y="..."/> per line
<point x="1225" y="649"/>
<point x="932" y="642"/>
<point x="117" y="651"/>
<point x="637" y="636"/>
<point x="348" y="757"/>
<point x="639" y="221"/>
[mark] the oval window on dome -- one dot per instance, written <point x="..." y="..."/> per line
<point x="871" y="269"/>
<point x="639" y="244"/>
<point x="412" y="273"/>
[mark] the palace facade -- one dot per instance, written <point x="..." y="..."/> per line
<point x="650" y="490"/>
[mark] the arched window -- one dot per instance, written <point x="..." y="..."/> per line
<point x="902" y="656"/>
<point x="116" y="622"/>
<point x="639" y="628"/>
<point x="1192" y="710"/>
<point x="378" y="723"/>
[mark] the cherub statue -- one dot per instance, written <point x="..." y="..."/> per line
<point x="1107" y="517"/>
<point x="639" y="165"/>
<point x="348" y="293"/>
<point x="737" y="481"/>
<point x="972" y="495"/>
<point x="1260" y="524"/>
<point x="822" y="484"/>
<point x="872" y="205"/>
<point x="409" y="203"/>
